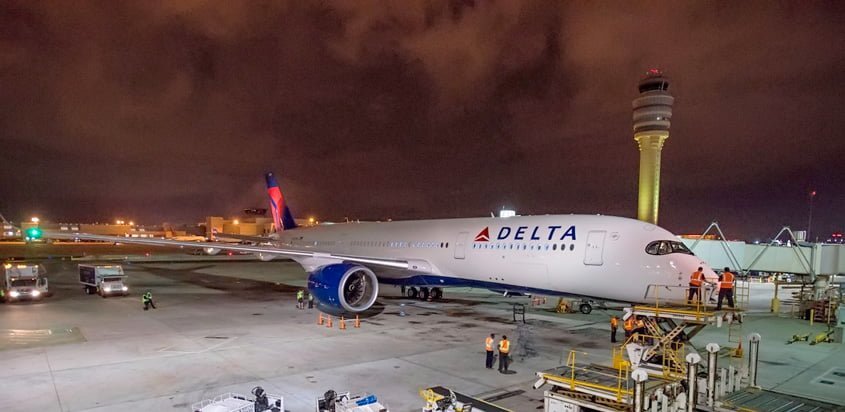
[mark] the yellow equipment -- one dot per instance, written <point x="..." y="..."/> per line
<point x="798" y="338"/>
<point x="824" y="337"/>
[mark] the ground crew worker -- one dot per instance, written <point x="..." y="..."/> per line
<point x="614" y="324"/>
<point x="640" y="329"/>
<point x="310" y="301"/>
<point x="504" y="349"/>
<point x="628" y="326"/>
<point x="488" y="347"/>
<point x="300" y="296"/>
<point x="726" y="288"/>
<point x="695" y="281"/>
<point x="147" y="299"/>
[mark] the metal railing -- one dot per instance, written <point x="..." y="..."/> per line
<point x="619" y="391"/>
<point x="672" y="353"/>
<point x="665" y="301"/>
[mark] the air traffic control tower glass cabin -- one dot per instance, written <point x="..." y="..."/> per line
<point x="652" y="117"/>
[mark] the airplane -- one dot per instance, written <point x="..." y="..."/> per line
<point x="591" y="257"/>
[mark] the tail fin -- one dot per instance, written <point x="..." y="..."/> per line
<point x="282" y="218"/>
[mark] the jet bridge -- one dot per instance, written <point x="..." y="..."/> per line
<point x="784" y="254"/>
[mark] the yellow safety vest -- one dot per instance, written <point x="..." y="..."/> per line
<point x="614" y="323"/>
<point x="488" y="344"/>
<point x="504" y="346"/>
<point x="629" y="324"/>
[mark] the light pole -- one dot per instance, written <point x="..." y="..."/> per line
<point x="810" y="218"/>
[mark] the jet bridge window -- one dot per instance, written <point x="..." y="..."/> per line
<point x="665" y="247"/>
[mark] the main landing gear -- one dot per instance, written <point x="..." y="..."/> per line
<point x="424" y="293"/>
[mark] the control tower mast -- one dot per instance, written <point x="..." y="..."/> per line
<point x="652" y="117"/>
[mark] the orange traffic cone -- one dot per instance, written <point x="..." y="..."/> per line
<point x="738" y="351"/>
<point x="329" y="323"/>
<point x="320" y="319"/>
<point x="357" y="322"/>
<point x="342" y="323"/>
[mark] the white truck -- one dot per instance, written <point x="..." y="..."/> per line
<point x="24" y="281"/>
<point x="104" y="280"/>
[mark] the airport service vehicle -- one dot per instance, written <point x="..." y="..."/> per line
<point x="234" y="402"/>
<point x="105" y="280"/>
<point x="332" y="401"/>
<point x="590" y="257"/>
<point x="24" y="281"/>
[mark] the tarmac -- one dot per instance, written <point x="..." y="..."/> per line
<point x="230" y="326"/>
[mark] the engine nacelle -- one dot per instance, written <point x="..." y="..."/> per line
<point x="211" y="250"/>
<point x="344" y="287"/>
<point x="265" y="257"/>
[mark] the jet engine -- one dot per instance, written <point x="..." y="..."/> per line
<point x="343" y="287"/>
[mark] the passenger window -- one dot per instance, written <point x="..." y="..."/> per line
<point x="554" y="246"/>
<point x="572" y="246"/>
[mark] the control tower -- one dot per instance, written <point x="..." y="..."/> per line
<point x="652" y="117"/>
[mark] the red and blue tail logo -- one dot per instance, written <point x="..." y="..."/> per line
<point x="282" y="218"/>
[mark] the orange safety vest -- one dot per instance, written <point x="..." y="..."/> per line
<point x="504" y="346"/>
<point x="695" y="278"/>
<point x="629" y="324"/>
<point x="488" y="344"/>
<point x="614" y="323"/>
<point x="727" y="281"/>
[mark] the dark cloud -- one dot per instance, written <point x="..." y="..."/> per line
<point x="371" y="109"/>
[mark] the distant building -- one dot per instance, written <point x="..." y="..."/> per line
<point x="251" y="225"/>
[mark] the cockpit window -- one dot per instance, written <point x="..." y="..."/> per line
<point x="665" y="247"/>
<point x="678" y="247"/>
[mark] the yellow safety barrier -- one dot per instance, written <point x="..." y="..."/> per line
<point x="619" y="391"/>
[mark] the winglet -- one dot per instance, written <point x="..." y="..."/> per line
<point x="282" y="217"/>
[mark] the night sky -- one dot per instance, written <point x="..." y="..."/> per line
<point x="172" y="110"/>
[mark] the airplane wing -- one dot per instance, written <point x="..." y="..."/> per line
<point x="293" y="253"/>
<point x="256" y="239"/>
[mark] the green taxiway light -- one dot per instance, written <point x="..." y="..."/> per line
<point x="33" y="233"/>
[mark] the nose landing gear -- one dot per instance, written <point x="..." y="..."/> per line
<point x="585" y="308"/>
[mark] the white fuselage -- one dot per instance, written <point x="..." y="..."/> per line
<point x="602" y="257"/>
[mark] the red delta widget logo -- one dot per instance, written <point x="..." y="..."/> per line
<point x="552" y="232"/>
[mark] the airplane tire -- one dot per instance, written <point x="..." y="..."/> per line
<point x="436" y="293"/>
<point x="424" y="293"/>
<point x="585" y="308"/>
<point x="412" y="292"/>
